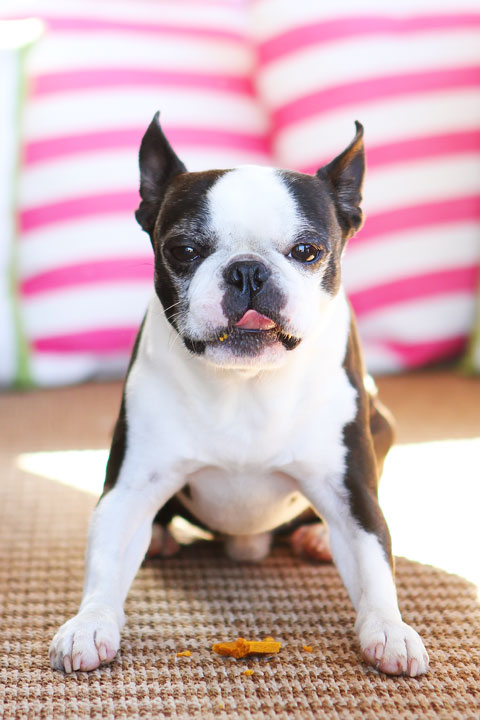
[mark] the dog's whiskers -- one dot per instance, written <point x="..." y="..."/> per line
<point x="175" y="304"/>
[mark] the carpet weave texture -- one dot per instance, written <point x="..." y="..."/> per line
<point x="199" y="597"/>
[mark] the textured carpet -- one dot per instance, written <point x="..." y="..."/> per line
<point x="199" y="597"/>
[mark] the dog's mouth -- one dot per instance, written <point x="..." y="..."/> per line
<point x="255" y="330"/>
<point x="249" y="336"/>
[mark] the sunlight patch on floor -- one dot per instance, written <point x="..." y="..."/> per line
<point x="430" y="495"/>
<point x="80" y="469"/>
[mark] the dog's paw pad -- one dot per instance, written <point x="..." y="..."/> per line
<point x="84" y="642"/>
<point x="393" y="647"/>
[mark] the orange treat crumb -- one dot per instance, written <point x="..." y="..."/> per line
<point x="248" y="672"/>
<point x="184" y="653"/>
<point x="308" y="648"/>
<point x="241" y="647"/>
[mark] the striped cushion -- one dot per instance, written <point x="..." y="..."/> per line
<point x="97" y="76"/>
<point x="410" y="72"/>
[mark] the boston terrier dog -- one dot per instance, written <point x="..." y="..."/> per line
<point x="245" y="401"/>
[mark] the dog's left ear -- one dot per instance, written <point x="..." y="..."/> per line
<point x="345" y="177"/>
<point x="158" y="166"/>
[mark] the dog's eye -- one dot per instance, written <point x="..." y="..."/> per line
<point x="184" y="253"/>
<point x="305" y="253"/>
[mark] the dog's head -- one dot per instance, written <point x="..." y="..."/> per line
<point x="247" y="260"/>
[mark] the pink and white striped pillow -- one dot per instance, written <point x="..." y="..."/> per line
<point x="97" y="76"/>
<point x="410" y="72"/>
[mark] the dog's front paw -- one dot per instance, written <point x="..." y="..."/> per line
<point x="90" y="638"/>
<point x="392" y="646"/>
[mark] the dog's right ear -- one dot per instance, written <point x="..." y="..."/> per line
<point x="158" y="166"/>
<point x="345" y="177"/>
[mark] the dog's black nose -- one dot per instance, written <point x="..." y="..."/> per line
<point x="248" y="276"/>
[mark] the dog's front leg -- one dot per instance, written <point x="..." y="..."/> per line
<point x="119" y="535"/>
<point x="360" y="545"/>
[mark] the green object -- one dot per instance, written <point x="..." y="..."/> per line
<point x="16" y="38"/>
<point x="471" y="361"/>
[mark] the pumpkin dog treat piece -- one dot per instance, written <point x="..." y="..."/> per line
<point x="241" y="647"/>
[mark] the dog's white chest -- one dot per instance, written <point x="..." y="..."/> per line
<point x="241" y="447"/>
<point x="243" y="501"/>
<point x="249" y="481"/>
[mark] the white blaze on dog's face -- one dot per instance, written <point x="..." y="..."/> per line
<point x="252" y="276"/>
<point x="247" y="261"/>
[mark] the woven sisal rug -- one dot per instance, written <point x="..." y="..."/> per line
<point x="199" y="597"/>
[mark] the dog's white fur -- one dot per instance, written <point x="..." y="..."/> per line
<point x="256" y="445"/>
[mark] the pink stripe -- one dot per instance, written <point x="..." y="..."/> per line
<point x="68" y="210"/>
<point x="363" y="91"/>
<point x="64" y="145"/>
<point x="120" y="340"/>
<point x="402" y="151"/>
<point x="88" y="25"/>
<point x="422" y="353"/>
<point x="463" y="279"/>
<point x="461" y="209"/>
<point x="52" y="148"/>
<point x="102" y="271"/>
<point x="102" y="342"/>
<point x="391" y="221"/>
<point x="322" y="32"/>
<point x="127" y="77"/>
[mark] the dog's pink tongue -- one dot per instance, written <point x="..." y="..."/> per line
<point x="252" y="320"/>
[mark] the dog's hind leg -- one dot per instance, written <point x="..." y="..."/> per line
<point x="382" y="427"/>
<point x="312" y="542"/>
<point x="162" y="543"/>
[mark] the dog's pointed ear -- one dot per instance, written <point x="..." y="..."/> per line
<point x="158" y="166"/>
<point x="345" y="177"/>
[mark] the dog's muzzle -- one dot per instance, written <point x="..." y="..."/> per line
<point x="252" y="302"/>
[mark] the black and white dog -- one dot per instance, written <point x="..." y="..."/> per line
<point x="245" y="398"/>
